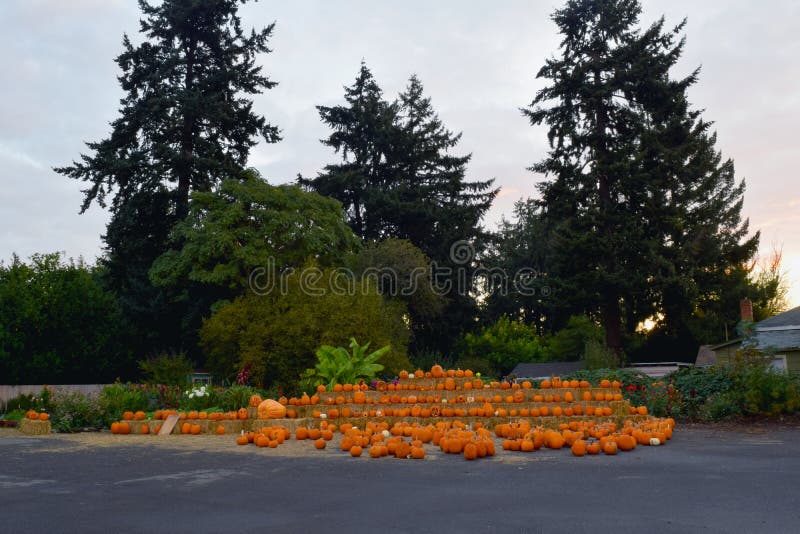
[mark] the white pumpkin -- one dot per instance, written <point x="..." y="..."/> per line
<point x="655" y="441"/>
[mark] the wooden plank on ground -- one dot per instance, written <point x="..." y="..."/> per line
<point x="169" y="424"/>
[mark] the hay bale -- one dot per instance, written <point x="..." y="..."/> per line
<point x="231" y="427"/>
<point x="35" y="428"/>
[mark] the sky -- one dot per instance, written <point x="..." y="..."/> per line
<point x="477" y="60"/>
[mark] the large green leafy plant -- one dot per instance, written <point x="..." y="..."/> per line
<point x="335" y="365"/>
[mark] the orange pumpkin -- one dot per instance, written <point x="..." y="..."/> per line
<point x="579" y="447"/>
<point x="270" y="409"/>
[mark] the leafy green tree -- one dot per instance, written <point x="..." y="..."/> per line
<point x="336" y="365"/>
<point x="249" y="224"/>
<point x="186" y="123"/>
<point x="569" y="344"/>
<point x="167" y="369"/>
<point x="514" y="272"/>
<point x="640" y="207"/>
<point x="402" y="272"/>
<point x="59" y="325"/>
<point x="277" y="333"/>
<point x="769" y="281"/>
<point x="504" y="344"/>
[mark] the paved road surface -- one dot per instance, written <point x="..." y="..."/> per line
<point x="702" y="481"/>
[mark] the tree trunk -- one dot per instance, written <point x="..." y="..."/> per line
<point x="610" y="312"/>
<point x="187" y="139"/>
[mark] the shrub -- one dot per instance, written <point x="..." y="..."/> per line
<point x="24" y="402"/>
<point x="478" y="365"/>
<point x="335" y="365"/>
<point x="278" y="332"/>
<point x="118" y="398"/>
<point x="746" y="387"/>
<point x="504" y="344"/>
<point x="73" y="411"/>
<point x="200" y="397"/>
<point x="45" y="307"/>
<point x="597" y="356"/>
<point x="236" y="397"/>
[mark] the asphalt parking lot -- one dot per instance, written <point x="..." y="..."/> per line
<point x="702" y="481"/>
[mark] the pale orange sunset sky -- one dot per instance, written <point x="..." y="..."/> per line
<point x="477" y="60"/>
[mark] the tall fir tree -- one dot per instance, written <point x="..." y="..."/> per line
<point x="399" y="179"/>
<point x="638" y="202"/>
<point x="362" y="135"/>
<point x="186" y="123"/>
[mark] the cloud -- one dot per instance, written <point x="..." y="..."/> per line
<point x="12" y="155"/>
<point x="478" y="64"/>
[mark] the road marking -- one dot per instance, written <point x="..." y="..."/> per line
<point x="8" y="482"/>
<point x="195" y="478"/>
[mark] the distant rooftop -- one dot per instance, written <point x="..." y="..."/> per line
<point x="787" y="318"/>
<point x="546" y="369"/>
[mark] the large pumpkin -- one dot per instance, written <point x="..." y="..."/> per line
<point x="270" y="409"/>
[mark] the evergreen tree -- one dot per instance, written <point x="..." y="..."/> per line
<point x="638" y="203"/>
<point x="515" y="272"/>
<point x="398" y="179"/>
<point x="186" y="122"/>
<point x="362" y="134"/>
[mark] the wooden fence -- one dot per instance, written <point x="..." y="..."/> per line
<point x="9" y="392"/>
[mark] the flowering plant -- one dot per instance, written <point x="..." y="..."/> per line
<point x="199" y="397"/>
<point x="197" y="392"/>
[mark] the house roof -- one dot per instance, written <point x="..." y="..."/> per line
<point x="775" y="339"/>
<point x="779" y="332"/>
<point x="545" y="370"/>
<point x="787" y="318"/>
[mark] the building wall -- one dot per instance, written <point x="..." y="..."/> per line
<point x="725" y="355"/>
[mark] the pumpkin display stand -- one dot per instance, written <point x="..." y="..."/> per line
<point x="34" y="427"/>
<point x="422" y="401"/>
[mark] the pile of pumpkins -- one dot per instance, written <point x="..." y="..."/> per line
<point x="33" y="415"/>
<point x="268" y="436"/>
<point x="404" y="440"/>
<point x="585" y="437"/>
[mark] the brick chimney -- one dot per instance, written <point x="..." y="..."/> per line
<point x="746" y="307"/>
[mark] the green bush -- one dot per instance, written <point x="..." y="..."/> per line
<point x="201" y="397"/>
<point x="236" y="397"/>
<point x="597" y="356"/>
<point x="748" y="386"/>
<point x="279" y="332"/>
<point x="46" y="307"/>
<point x="15" y="415"/>
<point x="477" y="365"/>
<point x="116" y="399"/>
<point x="504" y="344"/>
<point x="74" y="411"/>
<point x="23" y="403"/>
<point x="336" y="365"/>
<point x="717" y="407"/>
